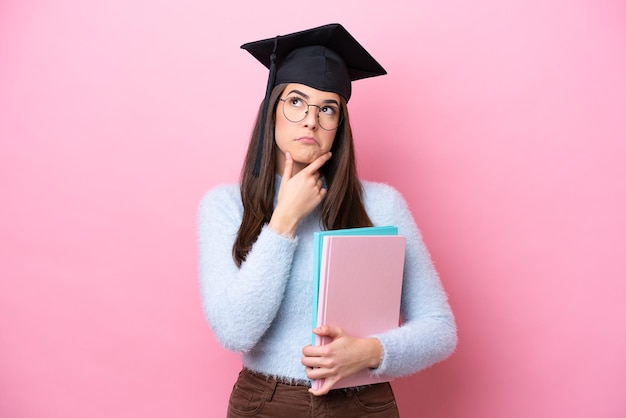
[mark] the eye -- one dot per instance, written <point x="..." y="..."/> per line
<point x="295" y="101"/>
<point x="329" y="110"/>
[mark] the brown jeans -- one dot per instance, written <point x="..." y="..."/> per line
<point x="255" y="395"/>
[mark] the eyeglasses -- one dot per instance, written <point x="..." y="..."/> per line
<point x="295" y="110"/>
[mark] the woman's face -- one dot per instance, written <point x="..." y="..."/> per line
<point x="305" y="140"/>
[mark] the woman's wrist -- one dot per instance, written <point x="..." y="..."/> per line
<point x="282" y="225"/>
<point x="376" y="357"/>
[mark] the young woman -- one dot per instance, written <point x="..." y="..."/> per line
<point x="256" y="244"/>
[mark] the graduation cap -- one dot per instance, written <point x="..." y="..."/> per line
<point x="325" y="58"/>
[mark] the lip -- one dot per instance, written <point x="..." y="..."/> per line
<point x="307" y="140"/>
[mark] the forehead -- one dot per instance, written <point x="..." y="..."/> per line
<point x="311" y="93"/>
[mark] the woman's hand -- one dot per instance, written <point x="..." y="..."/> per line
<point x="299" y="194"/>
<point x="342" y="357"/>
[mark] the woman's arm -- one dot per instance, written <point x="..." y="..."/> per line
<point x="428" y="331"/>
<point x="239" y="303"/>
<point x="427" y="334"/>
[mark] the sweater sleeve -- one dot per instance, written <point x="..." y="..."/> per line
<point x="239" y="303"/>
<point x="427" y="333"/>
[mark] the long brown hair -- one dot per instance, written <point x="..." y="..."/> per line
<point x="341" y="208"/>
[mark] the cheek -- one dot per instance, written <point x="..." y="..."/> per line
<point x="279" y="128"/>
<point x="282" y="127"/>
<point x="328" y="141"/>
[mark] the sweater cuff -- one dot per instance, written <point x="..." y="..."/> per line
<point x="271" y="230"/>
<point x="382" y="366"/>
<point x="382" y="355"/>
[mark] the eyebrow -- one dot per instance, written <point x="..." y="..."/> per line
<point x="307" y="97"/>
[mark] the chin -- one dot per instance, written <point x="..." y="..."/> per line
<point x="304" y="159"/>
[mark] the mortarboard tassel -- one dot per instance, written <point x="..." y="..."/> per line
<point x="270" y="85"/>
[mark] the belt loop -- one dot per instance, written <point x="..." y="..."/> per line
<point x="270" y="388"/>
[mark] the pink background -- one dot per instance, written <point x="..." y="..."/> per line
<point x="502" y="123"/>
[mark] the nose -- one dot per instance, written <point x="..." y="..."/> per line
<point x="310" y="119"/>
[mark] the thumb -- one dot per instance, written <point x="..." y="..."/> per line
<point x="288" y="169"/>
<point x="326" y="387"/>
<point x="328" y="331"/>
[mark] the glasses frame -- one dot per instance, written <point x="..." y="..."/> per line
<point x="319" y="108"/>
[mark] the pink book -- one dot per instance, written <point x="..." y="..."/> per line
<point x="360" y="289"/>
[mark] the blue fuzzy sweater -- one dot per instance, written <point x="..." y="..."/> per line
<point x="263" y="310"/>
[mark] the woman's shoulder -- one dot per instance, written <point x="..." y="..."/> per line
<point x="220" y="196"/>
<point x="384" y="204"/>
<point x="377" y="191"/>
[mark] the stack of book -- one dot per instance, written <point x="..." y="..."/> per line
<point x="357" y="286"/>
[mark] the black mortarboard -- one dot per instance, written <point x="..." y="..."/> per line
<point x="326" y="58"/>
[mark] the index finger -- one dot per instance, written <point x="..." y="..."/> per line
<point x="288" y="169"/>
<point x="317" y="163"/>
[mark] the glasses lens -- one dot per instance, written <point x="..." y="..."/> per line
<point x="329" y="117"/>
<point x="295" y="110"/>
